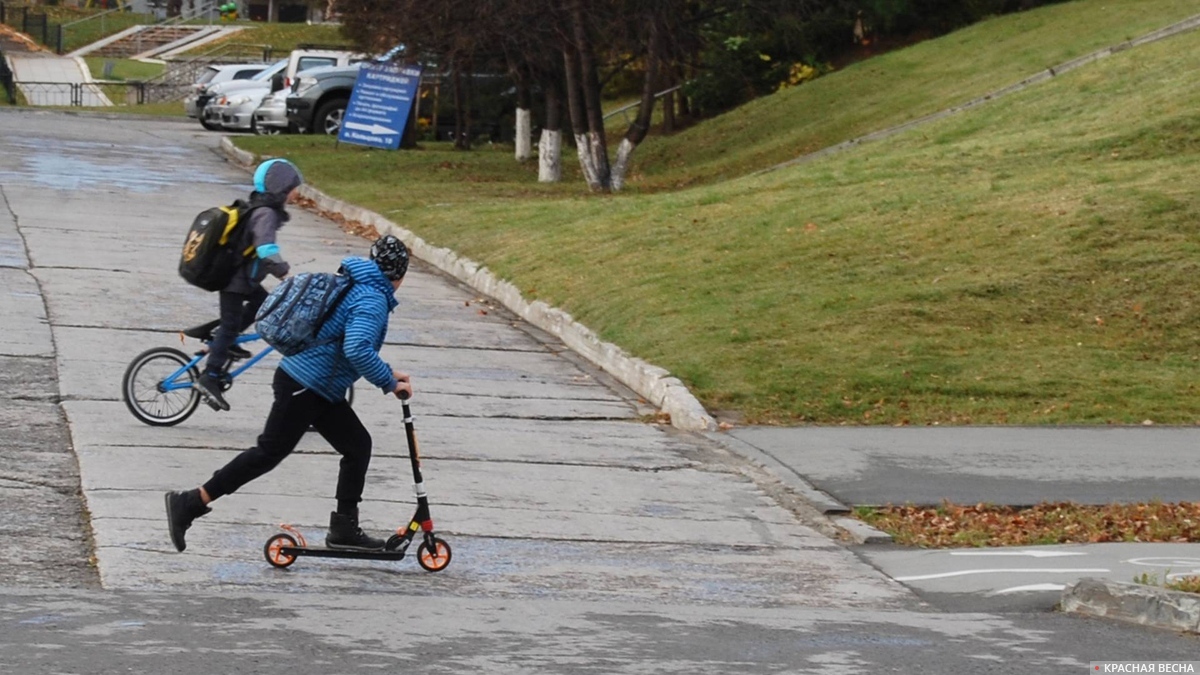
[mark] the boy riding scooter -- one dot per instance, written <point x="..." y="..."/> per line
<point x="309" y="390"/>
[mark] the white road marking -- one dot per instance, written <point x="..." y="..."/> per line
<point x="1030" y="588"/>
<point x="1165" y="562"/>
<point x="963" y="573"/>
<point x="1029" y="553"/>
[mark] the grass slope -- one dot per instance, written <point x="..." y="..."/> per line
<point x="281" y="37"/>
<point x="1032" y="261"/>
<point x="123" y="69"/>
<point x="895" y="88"/>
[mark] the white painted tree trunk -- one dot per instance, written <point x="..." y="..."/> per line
<point x="624" y="152"/>
<point x="587" y="161"/>
<point x="550" y="157"/>
<point x="524" y="140"/>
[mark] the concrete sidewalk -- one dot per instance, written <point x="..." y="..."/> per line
<point x="540" y="471"/>
<point x="48" y="80"/>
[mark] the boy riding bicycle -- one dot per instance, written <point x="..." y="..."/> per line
<point x="274" y="182"/>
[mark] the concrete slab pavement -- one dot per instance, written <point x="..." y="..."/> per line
<point x="540" y="470"/>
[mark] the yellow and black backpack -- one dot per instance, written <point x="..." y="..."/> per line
<point x="212" y="252"/>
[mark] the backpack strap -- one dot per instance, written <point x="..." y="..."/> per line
<point x="241" y="212"/>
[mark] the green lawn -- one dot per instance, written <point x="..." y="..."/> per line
<point x="282" y="37"/>
<point x="87" y="32"/>
<point x="123" y="69"/>
<point x="1031" y="261"/>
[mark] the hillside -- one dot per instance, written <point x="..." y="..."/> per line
<point x="1030" y="261"/>
<point x="896" y="87"/>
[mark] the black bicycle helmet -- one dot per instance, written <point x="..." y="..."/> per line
<point x="391" y="255"/>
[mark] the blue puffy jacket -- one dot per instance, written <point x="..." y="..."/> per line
<point x="362" y="319"/>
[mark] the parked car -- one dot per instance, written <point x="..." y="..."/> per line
<point x="271" y="117"/>
<point x="218" y="94"/>
<point x="234" y="107"/>
<point x="194" y="104"/>
<point x="317" y="101"/>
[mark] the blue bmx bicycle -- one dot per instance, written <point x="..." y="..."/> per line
<point x="158" y="386"/>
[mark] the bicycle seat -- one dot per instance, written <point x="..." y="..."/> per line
<point x="203" y="332"/>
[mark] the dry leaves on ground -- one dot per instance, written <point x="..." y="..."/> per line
<point x="951" y="525"/>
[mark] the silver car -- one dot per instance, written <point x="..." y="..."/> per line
<point x="237" y="109"/>
<point x="271" y="117"/>
<point x="198" y="98"/>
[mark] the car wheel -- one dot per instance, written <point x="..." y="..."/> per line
<point x="211" y="126"/>
<point x="329" y="118"/>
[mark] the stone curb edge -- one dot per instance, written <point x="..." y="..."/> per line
<point x="655" y="384"/>
<point x="829" y="506"/>
<point x="1134" y="603"/>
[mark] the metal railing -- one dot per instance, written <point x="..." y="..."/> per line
<point x="210" y="8"/>
<point x="624" y="110"/>
<point x="100" y="94"/>
<point x="81" y="32"/>
<point x="186" y="70"/>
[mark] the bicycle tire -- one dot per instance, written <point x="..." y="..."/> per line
<point x="133" y="390"/>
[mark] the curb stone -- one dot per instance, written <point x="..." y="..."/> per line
<point x="653" y="383"/>
<point x="823" y="501"/>
<point x="1135" y="603"/>
<point x="862" y="532"/>
<point x="830" y="507"/>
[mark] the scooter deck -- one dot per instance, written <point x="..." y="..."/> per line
<point x="341" y="553"/>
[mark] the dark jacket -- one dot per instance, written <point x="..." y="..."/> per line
<point x="271" y="188"/>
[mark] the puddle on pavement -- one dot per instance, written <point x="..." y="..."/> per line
<point x="82" y="165"/>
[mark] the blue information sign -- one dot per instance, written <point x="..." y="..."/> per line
<point x="379" y="105"/>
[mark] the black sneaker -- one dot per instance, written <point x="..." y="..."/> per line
<point x="345" y="533"/>
<point x="209" y="387"/>
<point x="182" y="509"/>
<point x="236" y="352"/>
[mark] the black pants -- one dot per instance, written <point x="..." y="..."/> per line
<point x="237" y="313"/>
<point x="295" y="408"/>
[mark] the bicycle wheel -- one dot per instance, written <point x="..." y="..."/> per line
<point x="143" y="387"/>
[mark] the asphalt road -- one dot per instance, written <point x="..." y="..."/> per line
<point x="996" y="465"/>
<point x="332" y="634"/>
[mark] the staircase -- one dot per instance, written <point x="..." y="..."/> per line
<point x="144" y="39"/>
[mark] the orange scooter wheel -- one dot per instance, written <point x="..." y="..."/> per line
<point x="273" y="550"/>
<point x="434" y="560"/>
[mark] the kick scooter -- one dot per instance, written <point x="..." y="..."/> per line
<point x="433" y="553"/>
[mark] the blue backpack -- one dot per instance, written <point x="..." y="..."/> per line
<point x="292" y="315"/>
